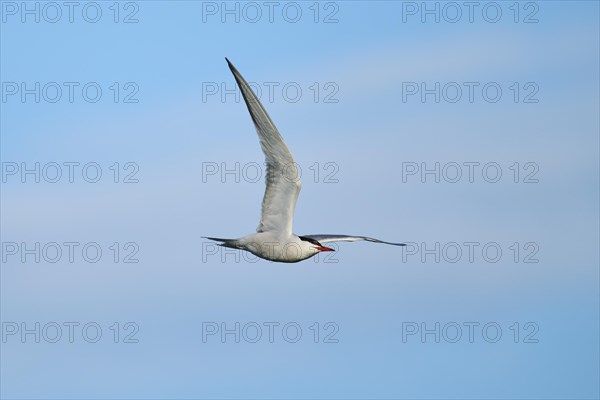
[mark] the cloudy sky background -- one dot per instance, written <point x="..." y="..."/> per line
<point x="369" y="292"/>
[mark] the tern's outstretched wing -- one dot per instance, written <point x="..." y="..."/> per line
<point x="347" y="238"/>
<point x="283" y="184"/>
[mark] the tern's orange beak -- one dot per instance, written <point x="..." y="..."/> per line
<point x="323" y="248"/>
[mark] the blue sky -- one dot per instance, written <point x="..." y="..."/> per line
<point x="365" y="140"/>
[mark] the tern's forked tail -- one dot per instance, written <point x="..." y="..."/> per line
<point x="231" y="243"/>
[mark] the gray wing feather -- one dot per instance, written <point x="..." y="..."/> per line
<point x="283" y="184"/>
<point x="348" y="238"/>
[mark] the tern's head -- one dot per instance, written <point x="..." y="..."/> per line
<point x="315" y="245"/>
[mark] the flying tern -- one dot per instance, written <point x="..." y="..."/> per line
<point x="274" y="239"/>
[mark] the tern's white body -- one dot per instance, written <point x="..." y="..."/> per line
<point x="276" y="247"/>
<point x="274" y="239"/>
